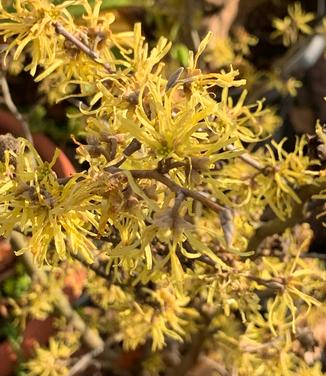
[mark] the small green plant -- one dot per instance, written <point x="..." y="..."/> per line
<point x="167" y="214"/>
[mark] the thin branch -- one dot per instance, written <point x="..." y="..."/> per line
<point x="95" y="267"/>
<point x="13" y="109"/>
<point x="174" y="187"/>
<point x="248" y="159"/>
<point x="89" y="336"/>
<point x="84" y="361"/>
<point x="82" y="46"/>
<point x="204" y="258"/>
<point x="213" y="365"/>
<point x="273" y="283"/>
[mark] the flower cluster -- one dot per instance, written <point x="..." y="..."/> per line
<point x="32" y="199"/>
<point x="168" y="209"/>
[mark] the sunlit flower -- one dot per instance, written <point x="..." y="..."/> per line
<point x="167" y="320"/>
<point x="35" y="200"/>
<point x="288" y="171"/>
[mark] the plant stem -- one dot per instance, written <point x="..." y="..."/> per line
<point x="95" y="267"/>
<point x="89" y="336"/>
<point x="82" y="46"/>
<point x="174" y="187"/>
<point x="248" y="159"/>
<point x="13" y="109"/>
<point x="84" y="361"/>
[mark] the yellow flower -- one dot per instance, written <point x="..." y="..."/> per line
<point x="288" y="87"/>
<point x="34" y="200"/>
<point x="290" y="27"/>
<point x="31" y="26"/>
<point x="157" y="131"/>
<point x="52" y="361"/>
<point x="288" y="280"/>
<point x="164" y="316"/>
<point x="283" y="175"/>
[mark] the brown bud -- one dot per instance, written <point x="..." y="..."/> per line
<point x="8" y="142"/>
<point x="151" y="191"/>
<point x="200" y="164"/>
<point x="92" y="139"/>
<point x="131" y="202"/>
<point x="94" y="151"/>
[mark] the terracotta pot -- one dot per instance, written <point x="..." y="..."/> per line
<point x="42" y="143"/>
<point x="7" y="257"/>
<point x="8" y="359"/>
<point x="36" y="331"/>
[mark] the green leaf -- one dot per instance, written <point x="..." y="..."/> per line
<point x="180" y="52"/>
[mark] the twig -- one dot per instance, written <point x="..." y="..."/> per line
<point x="82" y="46"/>
<point x="89" y="336"/>
<point x="226" y="219"/>
<point x="95" y="267"/>
<point x="84" y="361"/>
<point x="191" y="357"/>
<point x="213" y="365"/>
<point x="248" y="159"/>
<point x="272" y="283"/>
<point x="204" y="258"/>
<point x="220" y="22"/>
<point x="13" y="109"/>
<point x="174" y="187"/>
<point x="128" y="151"/>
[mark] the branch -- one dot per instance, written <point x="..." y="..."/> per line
<point x="204" y="258"/>
<point x="82" y="46"/>
<point x="213" y="365"/>
<point x="90" y="337"/>
<point x="84" y="361"/>
<point x="222" y="19"/>
<point x="132" y="147"/>
<point x="95" y="267"/>
<point x="248" y="159"/>
<point x="174" y="187"/>
<point x="13" y="109"/>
